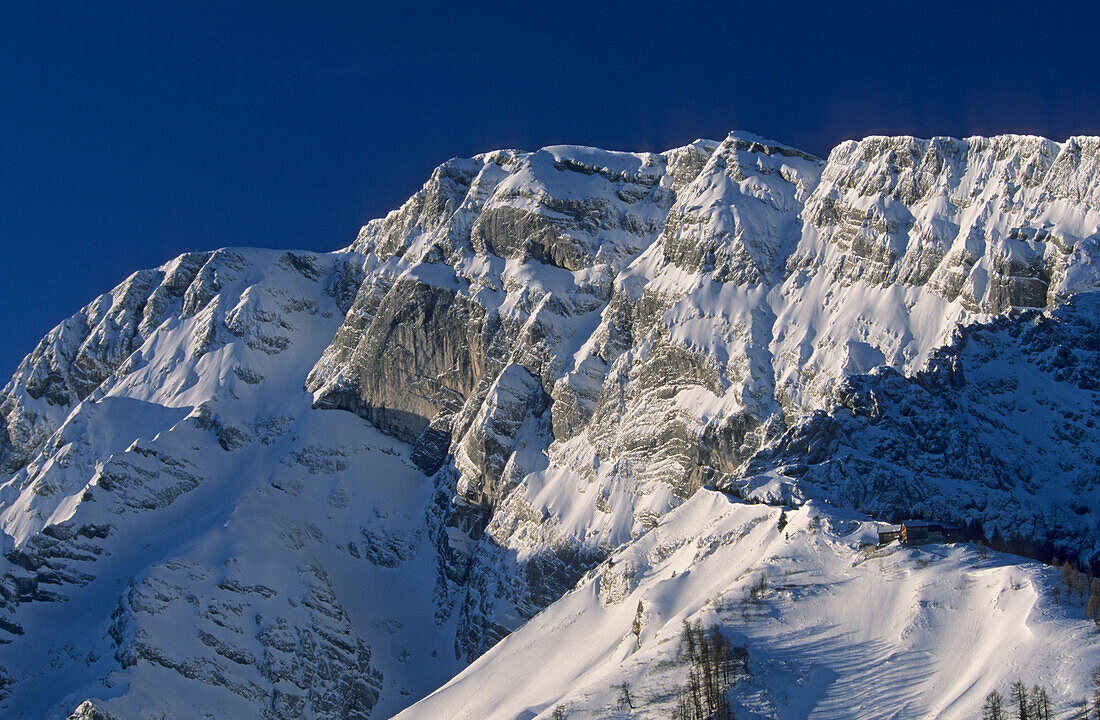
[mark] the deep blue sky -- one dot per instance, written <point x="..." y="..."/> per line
<point x="131" y="132"/>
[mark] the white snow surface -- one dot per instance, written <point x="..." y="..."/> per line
<point x="185" y="534"/>
<point x="841" y="632"/>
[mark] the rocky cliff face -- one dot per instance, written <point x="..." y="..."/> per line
<point x="347" y="475"/>
<point x="999" y="429"/>
<point x="716" y="295"/>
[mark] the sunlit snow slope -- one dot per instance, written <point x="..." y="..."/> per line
<point x="273" y="484"/>
<point x="838" y="632"/>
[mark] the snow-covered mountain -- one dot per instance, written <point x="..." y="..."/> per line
<point x="547" y="397"/>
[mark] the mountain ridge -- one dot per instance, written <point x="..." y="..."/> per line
<point x="518" y="374"/>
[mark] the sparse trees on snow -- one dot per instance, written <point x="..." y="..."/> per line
<point x="759" y="588"/>
<point x="1036" y="704"/>
<point x="711" y="664"/>
<point x="1077" y="582"/>
<point x="993" y="708"/>
<point x="1092" y="609"/>
<point x="1039" y="704"/>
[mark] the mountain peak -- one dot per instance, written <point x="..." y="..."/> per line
<point x="264" y="483"/>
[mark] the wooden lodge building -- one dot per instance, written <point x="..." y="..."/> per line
<point x="920" y="532"/>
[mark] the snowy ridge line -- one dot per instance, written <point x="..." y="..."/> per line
<point x="289" y="484"/>
<point x="833" y="633"/>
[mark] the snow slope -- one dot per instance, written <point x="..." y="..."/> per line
<point x="273" y="484"/>
<point x="197" y="537"/>
<point x="840" y="632"/>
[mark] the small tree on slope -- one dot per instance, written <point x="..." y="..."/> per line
<point x="993" y="708"/>
<point x="1040" y="704"/>
<point x="1018" y="693"/>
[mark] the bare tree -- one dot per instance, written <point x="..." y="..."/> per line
<point x="1092" y="610"/>
<point x="1040" y="703"/>
<point x="993" y="708"/>
<point x="625" y="698"/>
<point x="1017" y="692"/>
<point x="710" y="674"/>
<point x="759" y="588"/>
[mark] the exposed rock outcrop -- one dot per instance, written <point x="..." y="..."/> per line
<point x="317" y="485"/>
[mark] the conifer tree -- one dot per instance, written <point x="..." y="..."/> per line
<point x="1018" y="694"/>
<point x="626" y="699"/>
<point x="636" y="626"/>
<point x="1040" y="703"/>
<point x="993" y="708"/>
<point x="1092" y="609"/>
<point x="710" y="670"/>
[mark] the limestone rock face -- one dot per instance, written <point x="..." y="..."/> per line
<point x="998" y="430"/>
<point x="974" y="218"/>
<point x="417" y="352"/>
<point x="678" y="312"/>
<point x="487" y="447"/>
<point x="190" y="439"/>
<point x="282" y="484"/>
<point x="75" y="357"/>
<point x="739" y="220"/>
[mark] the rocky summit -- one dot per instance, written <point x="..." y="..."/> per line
<point x="492" y="459"/>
